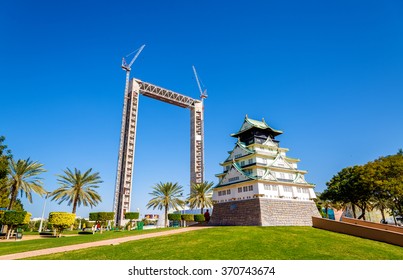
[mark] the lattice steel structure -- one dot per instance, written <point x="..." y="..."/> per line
<point x="124" y="176"/>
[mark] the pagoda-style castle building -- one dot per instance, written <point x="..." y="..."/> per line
<point x="260" y="185"/>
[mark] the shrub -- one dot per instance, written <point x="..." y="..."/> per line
<point x="61" y="221"/>
<point x="199" y="218"/>
<point x="102" y="217"/>
<point x="12" y="219"/>
<point x="174" y="217"/>
<point x="132" y="215"/>
<point x="188" y="217"/>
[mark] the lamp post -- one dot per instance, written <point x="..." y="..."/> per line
<point x="43" y="212"/>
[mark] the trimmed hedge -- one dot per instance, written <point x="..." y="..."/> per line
<point x="199" y="218"/>
<point x="174" y="217"/>
<point x="15" y="218"/>
<point x="101" y="216"/>
<point x="61" y="220"/>
<point x="132" y="215"/>
<point x="188" y="217"/>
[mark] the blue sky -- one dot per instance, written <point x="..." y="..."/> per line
<point x="329" y="74"/>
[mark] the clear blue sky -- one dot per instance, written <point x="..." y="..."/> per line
<point x="327" y="73"/>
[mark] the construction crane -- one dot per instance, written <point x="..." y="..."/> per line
<point x="203" y="94"/>
<point x="127" y="67"/>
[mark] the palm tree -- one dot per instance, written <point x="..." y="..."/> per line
<point x="167" y="196"/>
<point x="23" y="178"/>
<point x="78" y="188"/>
<point x="201" y="195"/>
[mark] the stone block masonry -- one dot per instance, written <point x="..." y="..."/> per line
<point x="264" y="212"/>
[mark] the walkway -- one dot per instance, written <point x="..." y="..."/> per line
<point x="116" y="241"/>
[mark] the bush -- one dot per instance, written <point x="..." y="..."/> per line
<point x="61" y="220"/>
<point x="12" y="219"/>
<point x="102" y="216"/>
<point x="199" y="218"/>
<point x="132" y="215"/>
<point x="188" y="217"/>
<point x="174" y="217"/>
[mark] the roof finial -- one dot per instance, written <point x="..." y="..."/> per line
<point x="246" y="116"/>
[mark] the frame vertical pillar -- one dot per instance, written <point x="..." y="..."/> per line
<point x="127" y="147"/>
<point x="197" y="143"/>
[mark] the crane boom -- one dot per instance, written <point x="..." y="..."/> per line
<point x="127" y="67"/>
<point x="203" y="94"/>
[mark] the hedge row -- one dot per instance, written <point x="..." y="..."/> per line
<point x="186" y="217"/>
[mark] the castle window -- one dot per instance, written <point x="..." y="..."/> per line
<point x="239" y="190"/>
<point x="287" y="189"/>
<point x="250" y="188"/>
<point x="238" y="155"/>
<point x="250" y="161"/>
<point x="233" y="179"/>
<point x="228" y="191"/>
<point x="245" y="189"/>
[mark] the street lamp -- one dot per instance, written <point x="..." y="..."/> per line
<point x="43" y="212"/>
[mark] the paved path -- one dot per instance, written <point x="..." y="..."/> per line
<point x="115" y="241"/>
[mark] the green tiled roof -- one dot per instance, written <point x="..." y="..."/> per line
<point x="258" y="124"/>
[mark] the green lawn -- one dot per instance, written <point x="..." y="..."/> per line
<point x="238" y="243"/>
<point x="50" y="242"/>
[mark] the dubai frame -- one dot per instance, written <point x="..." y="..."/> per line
<point x="124" y="175"/>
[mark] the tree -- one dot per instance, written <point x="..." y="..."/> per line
<point x="387" y="178"/>
<point x="78" y="188"/>
<point x="166" y="196"/>
<point x="102" y="218"/>
<point x="61" y="220"/>
<point x="132" y="216"/>
<point x="12" y="219"/>
<point x="23" y="178"/>
<point x="5" y="156"/>
<point x="201" y="195"/>
<point x="349" y="187"/>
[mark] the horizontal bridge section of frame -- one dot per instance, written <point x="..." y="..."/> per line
<point x="162" y="94"/>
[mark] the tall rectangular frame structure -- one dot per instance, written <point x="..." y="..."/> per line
<point x="127" y="146"/>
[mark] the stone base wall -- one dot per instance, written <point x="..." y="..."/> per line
<point x="264" y="212"/>
<point x="288" y="212"/>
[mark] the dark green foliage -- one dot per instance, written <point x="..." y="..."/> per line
<point x="174" y="217"/>
<point x="93" y="216"/>
<point x="102" y="217"/>
<point x="5" y="155"/>
<point x="132" y="215"/>
<point x="377" y="184"/>
<point x="199" y="218"/>
<point x="187" y="217"/>
<point x="13" y="219"/>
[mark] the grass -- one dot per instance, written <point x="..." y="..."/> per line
<point x="243" y="243"/>
<point x="67" y="239"/>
